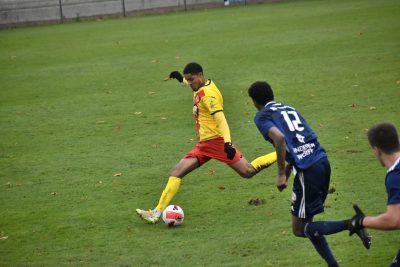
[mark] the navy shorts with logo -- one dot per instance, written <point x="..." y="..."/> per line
<point x="310" y="188"/>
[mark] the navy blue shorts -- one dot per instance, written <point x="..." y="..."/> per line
<point x="310" y="188"/>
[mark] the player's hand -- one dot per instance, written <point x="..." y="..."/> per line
<point x="176" y="75"/>
<point x="281" y="182"/>
<point x="356" y="223"/>
<point x="229" y="150"/>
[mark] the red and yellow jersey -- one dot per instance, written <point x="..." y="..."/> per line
<point x="206" y="102"/>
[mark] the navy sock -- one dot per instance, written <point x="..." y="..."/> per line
<point x="324" y="228"/>
<point x="322" y="247"/>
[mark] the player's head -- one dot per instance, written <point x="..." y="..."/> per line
<point x="383" y="138"/>
<point x="261" y="93"/>
<point x="193" y="73"/>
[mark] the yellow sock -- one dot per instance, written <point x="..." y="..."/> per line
<point x="263" y="162"/>
<point x="169" y="192"/>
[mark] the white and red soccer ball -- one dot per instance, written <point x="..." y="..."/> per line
<point x="173" y="215"/>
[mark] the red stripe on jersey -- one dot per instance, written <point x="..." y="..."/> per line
<point x="196" y="100"/>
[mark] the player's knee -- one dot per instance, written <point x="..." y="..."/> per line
<point x="246" y="174"/>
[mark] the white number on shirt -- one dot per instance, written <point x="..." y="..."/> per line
<point x="292" y="120"/>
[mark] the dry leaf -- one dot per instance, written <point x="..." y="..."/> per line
<point x="138" y="112"/>
<point x="53" y="193"/>
<point x="117" y="174"/>
<point x="372" y="108"/>
<point x="211" y="171"/>
<point x="4" y="237"/>
<point x="221" y="187"/>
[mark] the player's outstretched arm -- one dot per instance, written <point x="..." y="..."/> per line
<point x="224" y="128"/>
<point x="178" y="76"/>
<point x="390" y="220"/>
<point x="278" y="139"/>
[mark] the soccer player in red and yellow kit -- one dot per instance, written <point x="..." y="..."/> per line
<point x="214" y="139"/>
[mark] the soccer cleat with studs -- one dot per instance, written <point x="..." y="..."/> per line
<point x="148" y="215"/>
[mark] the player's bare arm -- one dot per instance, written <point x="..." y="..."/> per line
<point x="390" y="220"/>
<point x="278" y="139"/>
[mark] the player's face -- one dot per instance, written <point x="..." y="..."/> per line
<point x="195" y="80"/>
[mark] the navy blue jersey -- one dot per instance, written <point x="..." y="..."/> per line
<point x="392" y="183"/>
<point x="302" y="146"/>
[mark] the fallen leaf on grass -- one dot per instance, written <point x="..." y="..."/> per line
<point x="221" y="187"/>
<point x="138" y="112"/>
<point x="211" y="171"/>
<point x="53" y="193"/>
<point x="372" y="108"/>
<point x="117" y="174"/>
<point x="4" y="237"/>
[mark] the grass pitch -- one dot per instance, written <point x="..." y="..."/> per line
<point x="89" y="131"/>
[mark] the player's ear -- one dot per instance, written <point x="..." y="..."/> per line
<point x="377" y="151"/>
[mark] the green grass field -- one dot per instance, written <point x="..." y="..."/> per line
<point x="82" y="102"/>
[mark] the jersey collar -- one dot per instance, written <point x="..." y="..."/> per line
<point x="270" y="102"/>
<point x="393" y="166"/>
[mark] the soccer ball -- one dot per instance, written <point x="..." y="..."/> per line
<point x="173" y="215"/>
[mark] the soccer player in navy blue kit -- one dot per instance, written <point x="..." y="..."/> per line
<point x="384" y="142"/>
<point x="296" y="143"/>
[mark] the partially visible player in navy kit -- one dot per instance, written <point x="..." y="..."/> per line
<point x="384" y="142"/>
<point x="296" y="142"/>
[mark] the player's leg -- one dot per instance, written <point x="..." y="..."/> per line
<point x="248" y="170"/>
<point x="185" y="166"/>
<point x="319" y="242"/>
<point x="309" y="193"/>
<point x="243" y="168"/>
